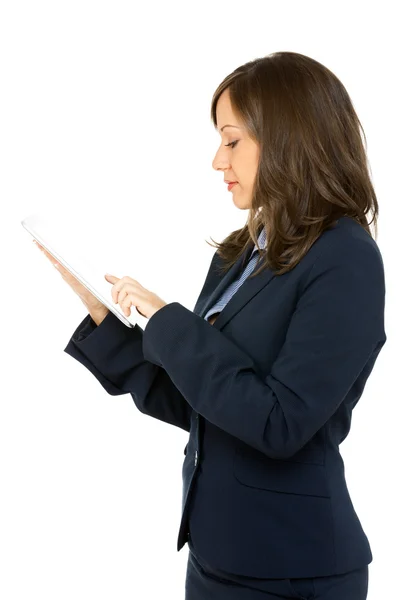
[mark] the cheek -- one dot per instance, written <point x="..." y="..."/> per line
<point x="252" y="169"/>
<point x="246" y="171"/>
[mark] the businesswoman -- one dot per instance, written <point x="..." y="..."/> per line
<point x="265" y="371"/>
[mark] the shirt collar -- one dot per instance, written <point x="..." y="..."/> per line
<point x="262" y="241"/>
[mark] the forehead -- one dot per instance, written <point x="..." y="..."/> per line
<point x="224" y="112"/>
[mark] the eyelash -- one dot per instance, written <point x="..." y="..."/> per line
<point x="233" y="144"/>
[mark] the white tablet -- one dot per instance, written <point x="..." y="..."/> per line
<point x="59" y="240"/>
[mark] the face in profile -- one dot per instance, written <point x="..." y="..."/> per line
<point x="238" y="154"/>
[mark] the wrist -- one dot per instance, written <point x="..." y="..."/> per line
<point x="98" y="315"/>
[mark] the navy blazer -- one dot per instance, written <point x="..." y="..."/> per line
<point x="267" y="394"/>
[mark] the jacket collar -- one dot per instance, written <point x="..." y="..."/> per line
<point x="215" y="283"/>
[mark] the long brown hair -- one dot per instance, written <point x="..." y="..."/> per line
<point x="313" y="166"/>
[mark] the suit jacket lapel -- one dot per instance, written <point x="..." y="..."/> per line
<point x="216" y="283"/>
<point x="219" y="284"/>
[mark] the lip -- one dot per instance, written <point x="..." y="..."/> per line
<point x="230" y="185"/>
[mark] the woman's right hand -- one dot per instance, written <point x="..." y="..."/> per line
<point x="90" y="301"/>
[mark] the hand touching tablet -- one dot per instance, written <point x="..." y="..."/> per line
<point x="126" y="292"/>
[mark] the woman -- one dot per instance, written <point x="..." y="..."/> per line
<point x="265" y="371"/>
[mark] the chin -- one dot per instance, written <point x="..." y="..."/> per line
<point x="242" y="205"/>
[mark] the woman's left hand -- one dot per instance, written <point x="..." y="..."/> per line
<point x="127" y="292"/>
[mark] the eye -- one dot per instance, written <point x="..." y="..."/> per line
<point x="233" y="144"/>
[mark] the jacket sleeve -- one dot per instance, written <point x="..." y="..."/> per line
<point x="113" y="353"/>
<point x="336" y="327"/>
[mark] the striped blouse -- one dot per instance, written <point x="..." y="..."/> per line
<point x="235" y="285"/>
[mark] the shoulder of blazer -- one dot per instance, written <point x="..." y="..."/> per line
<point x="348" y="252"/>
<point x="348" y="240"/>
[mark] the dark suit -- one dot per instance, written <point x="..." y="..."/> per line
<point x="267" y="393"/>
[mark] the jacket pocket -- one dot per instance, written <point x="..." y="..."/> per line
<point x="254" y="469"/>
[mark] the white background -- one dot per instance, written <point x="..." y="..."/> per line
<point x="105" y="116"/>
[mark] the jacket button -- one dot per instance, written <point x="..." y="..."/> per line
<point x="195" y="458"/>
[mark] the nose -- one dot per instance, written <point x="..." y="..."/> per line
<point x="221" y="160"/>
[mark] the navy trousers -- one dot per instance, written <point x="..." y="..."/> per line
<point x="205" y="583"/>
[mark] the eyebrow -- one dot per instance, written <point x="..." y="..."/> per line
<point x="236" y="127"/>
